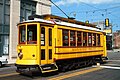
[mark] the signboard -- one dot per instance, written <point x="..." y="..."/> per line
<point x="108" y="31"/>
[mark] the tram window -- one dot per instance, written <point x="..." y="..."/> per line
<point x="84" y="39"/>
<point x="22" y="34"/>
<point x="98" y="37"/>
<point x="72" y="38"/>
<point x="50" y="53"/>
<point x="94" y="40"/>
<point x="42" y="54"/>
<point x="65" y="37"/>
<point x="79" y="39"/>
<point x="89" y="39"/>
<point x="42" y="36"/>
<point x="50" y="37"/>
<point x="32" y="34"/>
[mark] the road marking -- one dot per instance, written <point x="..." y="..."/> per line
<point x="114" y="60"/>
<point x="75" y="74"/>
<point x="112" y="65"/>
<point x="109" y="67"/>
<point x="6" y="75"/>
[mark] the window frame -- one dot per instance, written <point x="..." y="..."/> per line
<point x="94" y="39"/>
<point x="34" y="34"/>
<point x="73" y="37"/>
<point x="43" y="36"/>
<point x="20" y="35"/>
<point x="79" y="37"/>
<point x="89" y="39"/>
<point x="64" y="35"/>
<point x="85" y="39"/>
<point x="50" y="36"/>
<point x="98" y="40"/>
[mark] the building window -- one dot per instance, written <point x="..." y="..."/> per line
<point x="84" y="39"/>
<point x="79" y="39"/>
<point x="0" y="38"/>
<point x="94" y="39"/>
<point x="4" y="26"/>
<point x="27" y="8"/>
<point x="4" y="16"/>
<point x="50" y="37"/>
<point x="42" y="36"/>
<point x="72" y="38"/>
<point x="1" y="11"/>
<point x="65" y="37"/>
<point x="89" y="39"/>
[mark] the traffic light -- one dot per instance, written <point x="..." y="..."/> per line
<point x="107" y="22"/>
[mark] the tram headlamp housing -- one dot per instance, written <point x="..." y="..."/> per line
<point x="20" y="55"/>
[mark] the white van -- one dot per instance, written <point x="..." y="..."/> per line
<point x="3" y="60"/>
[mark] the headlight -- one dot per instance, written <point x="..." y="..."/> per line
<point x="20" y="55"/>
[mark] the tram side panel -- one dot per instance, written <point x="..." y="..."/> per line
<point x="77" y="52"/>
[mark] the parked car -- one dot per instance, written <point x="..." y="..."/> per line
<point x="3" y="61"/>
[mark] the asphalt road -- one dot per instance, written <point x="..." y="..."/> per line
<point x="107" y="71"/>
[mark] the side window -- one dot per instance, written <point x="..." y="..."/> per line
<point x="89" y="39"/>
<point x="50" y="37"/>
<point x="50" y="53"/>
<point x="42" y="36"/>
<point x="72" y="38"/>
<point x="42" y="54"/>
<point x="94" y="39"/>
<point x="79" y="39"/>
<point x="84" y="39"/>
<point x="98" y="38"/>
<point x="65" y="34"/>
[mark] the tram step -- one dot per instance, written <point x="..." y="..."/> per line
<point x="48" y="68"/>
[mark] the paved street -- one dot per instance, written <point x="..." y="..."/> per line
<point x="108" y="71"/>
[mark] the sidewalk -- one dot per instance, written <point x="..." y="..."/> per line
<point x="11" y="61"/>
<point x="114" y="50"/>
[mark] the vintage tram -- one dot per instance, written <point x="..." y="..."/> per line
<point x="49" y="43"/>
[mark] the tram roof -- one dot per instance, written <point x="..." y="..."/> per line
<point x="61" y="23"/>
<point x="70" y="20"/>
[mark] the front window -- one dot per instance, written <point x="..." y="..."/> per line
<point x="22" y="34"/>
<point x="32" y="34"/>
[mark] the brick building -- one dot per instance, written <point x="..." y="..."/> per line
<point x="116" y="39"/>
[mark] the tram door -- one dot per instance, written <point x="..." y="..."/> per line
<point x="46" y="45"/>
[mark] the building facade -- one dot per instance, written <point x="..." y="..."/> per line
<point x="13" y="12"/>
<point x="116" y="39"/>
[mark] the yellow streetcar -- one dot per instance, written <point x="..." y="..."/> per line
<point x="50" y="43"/>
